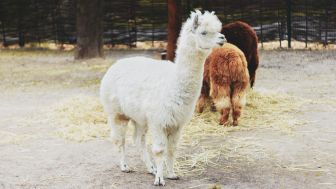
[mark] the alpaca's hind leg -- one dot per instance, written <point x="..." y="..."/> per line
<point x="159" y="152"/>
<point x="238" y="101"/>
<point x="141" y="143"/>
<point x="118" y="124"/>
<point x="202" y="99"/>
<point x="221" y="99"/>
<point x="253" y="66"/>
<point x="200" y="104"/>
<point x="252" y="78"/>
<point x="173" y="138"/>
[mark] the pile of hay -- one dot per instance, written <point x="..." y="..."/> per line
<point x="264" y="109"/>
<point x="82" y="118"/>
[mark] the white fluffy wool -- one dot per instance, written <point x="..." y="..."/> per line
<point x="159" y="96"/>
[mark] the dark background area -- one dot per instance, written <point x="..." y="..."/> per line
<point x="128" y="21"/>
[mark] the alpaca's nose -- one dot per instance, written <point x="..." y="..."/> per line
<point x="223" y="38"/>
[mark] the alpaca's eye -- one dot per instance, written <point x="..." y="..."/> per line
<point x="204" y="33"/>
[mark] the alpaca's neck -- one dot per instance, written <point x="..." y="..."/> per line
<point x="190" y="64"/>
<point x="189" y="74"/>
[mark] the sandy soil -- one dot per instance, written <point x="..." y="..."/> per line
<point x="32" y="156"/>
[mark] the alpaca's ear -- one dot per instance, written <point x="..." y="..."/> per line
<point x="195" y="23"/>
<point x="213" y="12"/>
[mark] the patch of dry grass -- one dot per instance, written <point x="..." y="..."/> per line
<point x="12" y="138"/>
<point x="82" y="119"/>
<point x="43" y="73"/>
<point x="263" y="110"/>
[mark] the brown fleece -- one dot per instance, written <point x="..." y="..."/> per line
<point x="225" y="81"/>
<point x="245" y="38"/>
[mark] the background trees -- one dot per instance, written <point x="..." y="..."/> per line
<point x="89" y="29"/>
<point x="174" y="25"/>
<point x="126" y="22"/>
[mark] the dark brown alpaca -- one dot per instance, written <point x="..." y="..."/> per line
<point x="245" y="38"/>
<point x="225" y="81"/>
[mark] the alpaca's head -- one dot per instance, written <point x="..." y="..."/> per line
<point x="203" y="30"/>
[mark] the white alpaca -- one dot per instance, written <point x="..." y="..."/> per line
<point x="159" y="95"/>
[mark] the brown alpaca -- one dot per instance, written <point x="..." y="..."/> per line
<point x="244" y="37"/>
<point x="225" y="81"/>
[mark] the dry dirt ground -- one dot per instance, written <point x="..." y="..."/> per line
<point x="33" y="156"/>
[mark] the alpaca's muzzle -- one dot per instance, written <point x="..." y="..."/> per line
<point x="222" y="40"/>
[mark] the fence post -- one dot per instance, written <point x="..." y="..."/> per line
<point x="326" y="27"/>
<point x="54" y="25"/>
<point x="279" y="27"/>
<point x="130" y="23"/>
<point x="306" y="11"/>
<point x="152" y="6"/>
<point x="20" y="28"/>
<point x="261" y="24"/>
<point x="289" y="22"/>
<point x="3" y="34"/>
<point x="135" y="26"/>
<point x="320" y="30"/>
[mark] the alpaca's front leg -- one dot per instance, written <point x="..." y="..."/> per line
<point x="172" y="143"/>
<point x="118" y="132"/>
<point x="141" y="143"/>
<point x="123" y="165"/>
<point x="159" y="152"/>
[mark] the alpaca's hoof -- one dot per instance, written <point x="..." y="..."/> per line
<point x="124" y="168"/>
<point x="224" y="122"/>
<point x="159" y="181"/>
<point x="173" y="177"/>
<point x="213" y="108"/>
<point x="199" y="109"/>
<point x="235" y="123"/>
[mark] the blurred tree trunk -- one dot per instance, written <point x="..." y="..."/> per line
<point x="174" y="26"/>
<point x="89" y="29"/>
